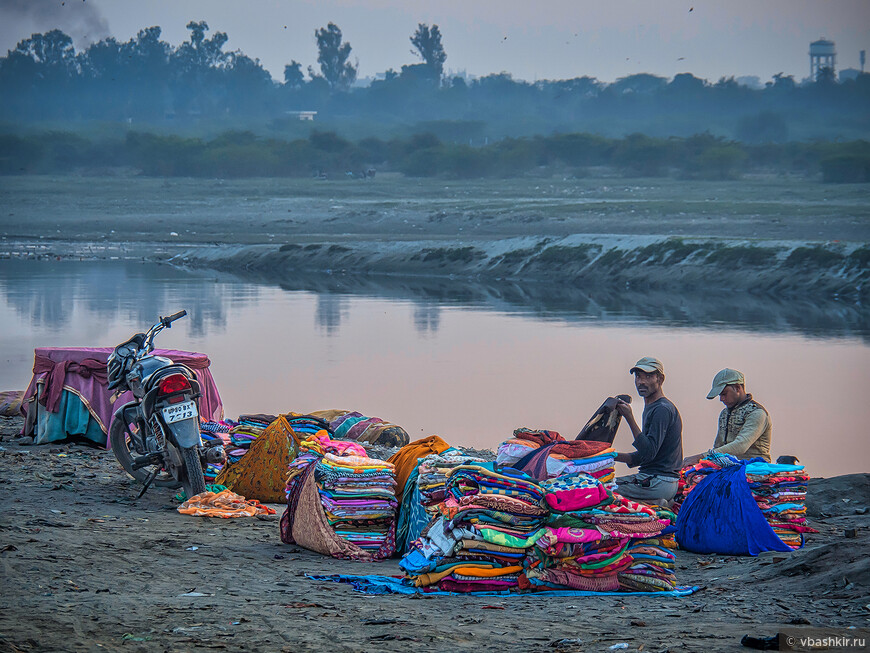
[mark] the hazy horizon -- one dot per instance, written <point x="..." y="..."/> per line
<point x="556" y="39"/>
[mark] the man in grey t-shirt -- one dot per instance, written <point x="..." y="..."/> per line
<point x="659" y="445"/>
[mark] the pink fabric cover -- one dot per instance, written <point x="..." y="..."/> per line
<point x="91" y="387"/>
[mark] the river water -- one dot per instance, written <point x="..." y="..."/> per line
<point x="465" y="363"/>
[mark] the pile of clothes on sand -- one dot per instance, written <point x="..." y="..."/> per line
<point x="778" y="490"/>
<point x="501" y="529"/>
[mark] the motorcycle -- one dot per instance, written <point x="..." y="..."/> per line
<point x="156" y="436"/>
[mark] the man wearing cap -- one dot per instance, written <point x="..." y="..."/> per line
<point x="745" y="428"/>
<point x="659" y="445"/>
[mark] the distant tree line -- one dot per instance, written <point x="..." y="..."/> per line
<point x="326" y="154"/>
<point x="148" y="81"/>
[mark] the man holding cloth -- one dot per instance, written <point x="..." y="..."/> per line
<point x="659" y="445"/>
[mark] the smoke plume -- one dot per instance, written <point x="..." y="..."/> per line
<point x="78" y="18"/>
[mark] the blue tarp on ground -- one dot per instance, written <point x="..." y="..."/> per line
<point x="390" y="585"/>
<point x="721" y="516"/>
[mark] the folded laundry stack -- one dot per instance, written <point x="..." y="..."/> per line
<point x="691" y="475"/>
<point x="488" y="519"/>
<point x="589" y="538"/>
<point x="211" y="433"/>
<point x="781" y="493"/>
<point x="311" y="450"/>
<point x="779" y="490"/>
<point x="500" y="529"/>
<point x="546" y="454"/>
<point x="652" y="565"/>
<point x="307" y="425"/>
<point x="374" y="430"/>
<point x="248" y="429"/>
<point x="432" y="477"/>
<point x="524" y="442"/>
<point x="340" y="502"/>
<point x="358" y="495"/>
<point x="435" y="458"/>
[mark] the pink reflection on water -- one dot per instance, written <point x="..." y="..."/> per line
<point x="482" y="373"/>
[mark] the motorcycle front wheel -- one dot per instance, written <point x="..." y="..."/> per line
<point x="124" y="452"/>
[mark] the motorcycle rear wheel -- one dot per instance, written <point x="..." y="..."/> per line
<point x="122" y="448"/>
<point x="192" y="478"/>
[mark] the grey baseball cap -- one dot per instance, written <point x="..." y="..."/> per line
<point x="648" y="364"/>
<point x="723" y="378"/>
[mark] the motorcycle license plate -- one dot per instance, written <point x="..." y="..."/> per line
<point x="178" y="412"/>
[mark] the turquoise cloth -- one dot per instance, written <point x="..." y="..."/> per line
<point x="71" y="418"/>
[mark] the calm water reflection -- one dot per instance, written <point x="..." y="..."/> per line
<point x="467" y="362"/>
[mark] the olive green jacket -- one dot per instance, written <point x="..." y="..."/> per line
<point x="745" y="431"/>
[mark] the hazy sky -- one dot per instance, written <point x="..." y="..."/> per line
<point x="548" y="39"/>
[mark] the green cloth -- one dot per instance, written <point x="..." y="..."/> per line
<point x="71" y="418"/>
<point x="503" y="539"/>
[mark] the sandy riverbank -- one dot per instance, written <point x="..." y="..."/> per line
<point x="87" y="567"/>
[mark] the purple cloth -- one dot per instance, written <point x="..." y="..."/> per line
<point x="82" y="371"/>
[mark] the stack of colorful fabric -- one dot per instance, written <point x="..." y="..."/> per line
<point x="781" y="492"/>
<point x="546" y="454"/>
<point x="432" y="477"/>
<point x="588" y="539"/>
<point x="691" y="475"/>
<point x="307" y="425"/>
<point x="488" y="519"/>
<point x="359" y="497"/>
<point x="340" y="502"/>
<point x="652" y="565"/>
<point x="215" y="432"/>
<point x="413" y="517"/>
<point x="524" y="442"/>
<point x="356" y="426"/>
<point x="248" y="429"/>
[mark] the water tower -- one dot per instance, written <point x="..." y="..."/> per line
<point x="822" y="55"/>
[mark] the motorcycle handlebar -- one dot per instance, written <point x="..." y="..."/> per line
<point x="167" y="321"/>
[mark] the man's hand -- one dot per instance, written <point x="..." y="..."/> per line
<point x="691" y="460"/>
<point x="623" y="408"/>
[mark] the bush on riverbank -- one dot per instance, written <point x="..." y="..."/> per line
<point x="325" y="154"/>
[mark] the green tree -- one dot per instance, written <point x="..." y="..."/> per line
<point x="427" y="43"/>
<point x="293" y="75"/>
<point x="196" y="65"/>
<point x="333" y="57"/>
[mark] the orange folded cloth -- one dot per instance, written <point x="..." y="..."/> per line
<point x="405" y="459"/>
<point x="224" y="504"/>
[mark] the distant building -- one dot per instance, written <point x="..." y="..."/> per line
<point x="822" y="55"/>
<point x="302" y="115"/>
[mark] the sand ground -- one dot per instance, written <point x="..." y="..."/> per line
<point x="85" y="567"/>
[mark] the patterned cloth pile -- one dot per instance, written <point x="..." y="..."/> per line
<point x="340" y="502"/>
<point x="499" y="529"/>
<point x="546" y="454"/>
<point x="592" y="536"/>
<point x="246" y="430"/>
<point x="781" y="493"/>
<point x="691" y="475"/>
<point x="358" y="495"/>
<point x="215" y="433"/>
<point x="487" y="521"/>
<point x="779" y="490"/>
<point x="360" y="428"/>
<point x="432" y="477"/>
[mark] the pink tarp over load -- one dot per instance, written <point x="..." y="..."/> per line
<point x="63" y="374"/>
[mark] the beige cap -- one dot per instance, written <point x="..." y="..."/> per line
<point x="723" y="378"/>
<point x="648" y="364"/>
